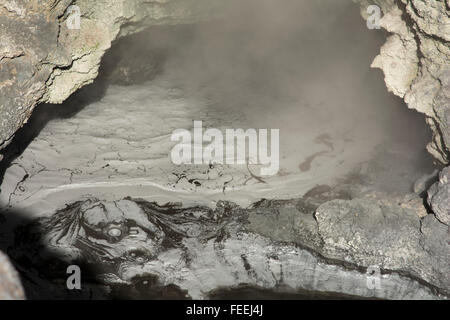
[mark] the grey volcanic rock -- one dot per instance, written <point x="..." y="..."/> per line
<point x="379" y="230"/>
<point x="28" y="34"/>
<point x="439" y="197"/>
<point x="42" y="60"/>
<point x="416" y="61"/>
<point x="10" y="286"/>
<point x="374" y="229"/>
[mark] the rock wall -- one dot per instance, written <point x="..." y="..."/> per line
<point x="416" y="61"/>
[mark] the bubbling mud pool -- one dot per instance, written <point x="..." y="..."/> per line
<point x="121" y="145"/>
<point x="310" y="79"/>
<point x="94" y="183"/>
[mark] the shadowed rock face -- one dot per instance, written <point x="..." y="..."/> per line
<point x="135" y="248"/>
<point x="10" y="286"/>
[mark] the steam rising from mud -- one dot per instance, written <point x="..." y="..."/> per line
<point x="293" y="65"/>
<point x="277" y="61"/>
